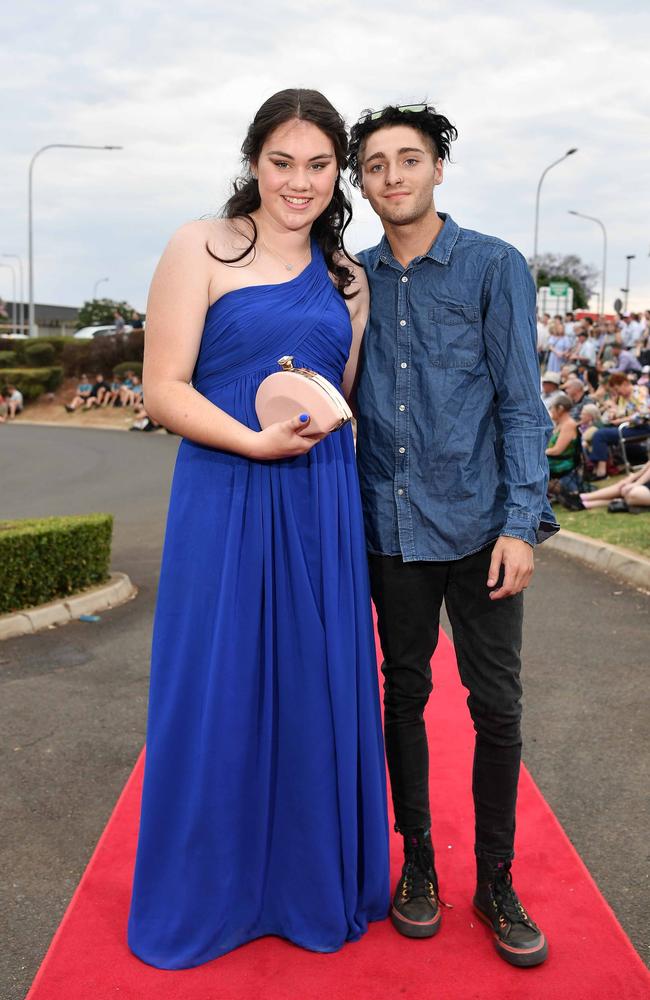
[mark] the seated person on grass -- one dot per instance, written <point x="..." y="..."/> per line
<point x="633" y="491"/>
<point x="132" y="395"/>
<point x="590" y="421"/>
<point x="98" y="391"/>
<point x="14" y="399"/>
<point x="625" y="361"/>
<point x="562" y="450"/>
<point x="579" y="394"/>
<point x="112" y="397"/>
<point x="143" y="422"/>
<point x="626" y="401"/>
<point x="83" y="392"/>
<point x="550" y="387"/>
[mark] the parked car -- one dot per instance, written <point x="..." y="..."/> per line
<point x="88" y="332"/>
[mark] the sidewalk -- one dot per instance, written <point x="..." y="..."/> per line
<point x="53" y="413"/>
<point x="615" y="560"/>
<point x="111" y="594"/>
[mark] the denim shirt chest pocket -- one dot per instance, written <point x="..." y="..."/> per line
<point x="455" y="335"/>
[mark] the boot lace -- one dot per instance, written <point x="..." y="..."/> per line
<point x="418" y="876"/>
<point x="508" y="902"/>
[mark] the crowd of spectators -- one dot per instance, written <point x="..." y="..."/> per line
<point x="99" y="393"/>
<point x="595" y="384"/>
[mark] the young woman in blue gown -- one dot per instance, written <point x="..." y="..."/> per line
<point x="264" y="802"/>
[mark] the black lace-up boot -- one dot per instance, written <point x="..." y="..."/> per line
<point x="517" y="938"/>
<point x="416" y="909"/>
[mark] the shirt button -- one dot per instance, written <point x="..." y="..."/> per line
<point x="403" y="364"/>
<point x="404" y="278"/>
<point x="402" y="407"/>
<point x="402" y="450"/>
<point x="400" y="493"/>
<point x="402" y="322"/>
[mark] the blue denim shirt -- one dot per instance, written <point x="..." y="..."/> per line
<point x="451" y="428"/>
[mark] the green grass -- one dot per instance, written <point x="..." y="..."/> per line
<point x="632" y="531"/>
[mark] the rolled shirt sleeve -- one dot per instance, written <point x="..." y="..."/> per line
<point x="510" y="334"/>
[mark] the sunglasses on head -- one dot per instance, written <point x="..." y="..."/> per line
<point x="372" y="116"/>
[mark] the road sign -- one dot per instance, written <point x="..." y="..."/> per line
<point x="557" y="305"/>
<point x="618" y="305"/>
<point x="559" y="288"/>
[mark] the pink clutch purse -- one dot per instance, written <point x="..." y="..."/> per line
<point x="292" y="391"/>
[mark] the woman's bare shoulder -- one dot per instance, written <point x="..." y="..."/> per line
<point x="221" y="236"/>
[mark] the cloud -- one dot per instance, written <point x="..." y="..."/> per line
<point x="177" y="85"/>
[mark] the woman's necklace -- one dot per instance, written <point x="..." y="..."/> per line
<point x="287" y="266"/>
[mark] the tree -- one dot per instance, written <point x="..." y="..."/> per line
<point x="582" y="277"/>
<point x="99" y="312"/>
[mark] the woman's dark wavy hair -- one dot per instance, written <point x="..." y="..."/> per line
<point x="329" y="227"/>
<point x="434" y="126"/>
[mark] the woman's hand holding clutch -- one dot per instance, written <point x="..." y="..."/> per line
<point x="285" y="439"/>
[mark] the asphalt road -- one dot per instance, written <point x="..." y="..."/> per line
<point x="73" y="699"/>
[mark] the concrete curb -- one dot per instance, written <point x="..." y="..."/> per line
<point x="625" y="565"/>
<point x="109" y="595"/>
<point x="74" y="427"/>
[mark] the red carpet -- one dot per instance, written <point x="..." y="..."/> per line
<point x="590" y="958"/>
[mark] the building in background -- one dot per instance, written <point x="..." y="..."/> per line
<point x="50" y="320"/>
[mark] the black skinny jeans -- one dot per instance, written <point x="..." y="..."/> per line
<point x="487" y="639"/>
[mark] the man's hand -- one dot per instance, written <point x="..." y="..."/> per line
<point x="518" y="563"/>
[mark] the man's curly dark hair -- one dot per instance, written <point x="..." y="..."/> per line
<point x="438" y="129"/>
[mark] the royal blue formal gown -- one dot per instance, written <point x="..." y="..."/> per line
<point x="264" y="801"/>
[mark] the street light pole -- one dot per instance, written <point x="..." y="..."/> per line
<point x="626" y="290"/>
<point x="13" y="294"/>
<point x="95" y="286"/>
<point x="599" y="223"/>
<point x="21" y="308"/>
<point x="30" y="238"/>
<point x="569" y="152"/>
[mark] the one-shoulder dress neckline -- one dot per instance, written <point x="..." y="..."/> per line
<point x="315" y="251"/>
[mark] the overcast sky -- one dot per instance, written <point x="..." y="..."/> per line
<point x="176" y="84"/>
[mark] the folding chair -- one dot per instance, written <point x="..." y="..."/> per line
<point x="642" y="437"/>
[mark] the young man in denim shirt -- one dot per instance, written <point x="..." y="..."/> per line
<point x="451" y="440"/>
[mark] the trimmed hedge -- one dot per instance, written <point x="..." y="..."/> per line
<point x="128" y="366"/>
<point x="33" y="382"/>
<point x="101" y="354"/>
<point x="21" y="347"/>
<point x="39" y="354"/>
<point x="8" y="359"/>
<point x="52" y="557"/>
<point x="58" y="343"/>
